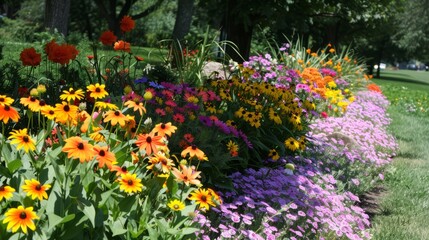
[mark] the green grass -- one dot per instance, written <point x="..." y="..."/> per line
<point x="11" y="51"/>
<point x="404" y="208"/>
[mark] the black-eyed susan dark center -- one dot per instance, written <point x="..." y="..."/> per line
<point x="6" y="108"/>
<point x="117" y="113"/>
<point x="25" y="139"/>
<point x="148" y="139"/>
<point x="124" y="169"/>
<point x="1" y="188"/>
<point x="33" y="99"/>
<point x="80" y="146"/>
<point x="38" y="187"/>
<point x="66" y="108"/>
<point x="102" y="153"/>
<point x="2" y="99"/>
<point x="163" y="126"/>
<point x="98" y="90"/>
<point x="194" y="147"/>
<point x="23" y="215"/>
<point x="203" y="198"/>
<point x="130" y="182"/>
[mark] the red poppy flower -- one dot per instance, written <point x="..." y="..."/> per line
<point x="29" y="57"/>
<point x="108" y="38"/>
<point x="62" y="54"/>
<point x="127" y="24"/>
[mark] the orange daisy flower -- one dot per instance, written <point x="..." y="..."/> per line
<point x="97" y="91"/>
<point x="23" y="140"/>
<point x="7" y="112"/>
<point x="136" y="106"/>
<point x="129" y="183"/>
<point x="20" y="217"/>
<point x="31" y="102"/>
<point x="127" y="24"/>
<point x="160" y="163"/>
<point x="122" y="46"/>
<point x="163" y="129"/>
<point x="65" y="112"/>
<point x="187" y="175"/>
<point x="115" y="117"/>
<point x="104" y="156"/>
<point x="6" y="192"/>
<point x="78" y="148"/>
<point x="5" y="100"/>
<point x="119" y="170"/>
<point x="34" y="189"/>
<point x="149" y="142"/>
<point x="193" y="151"/>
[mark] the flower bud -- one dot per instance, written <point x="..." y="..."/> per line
<point x="148" y="95"/>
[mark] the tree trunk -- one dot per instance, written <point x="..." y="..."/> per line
<point x="57" y="14"/>
<point x="237" y="32"/>
<point x="185" y="9"/>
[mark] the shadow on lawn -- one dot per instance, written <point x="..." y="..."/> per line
<point x="403" y="79"/>
<point x="370" y="202"/>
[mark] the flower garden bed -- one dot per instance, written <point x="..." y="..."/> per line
<point x="281" y="148"/>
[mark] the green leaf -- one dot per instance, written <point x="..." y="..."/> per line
<point x="68" y="218"/>
<point x="188" y="230"/>
<point x="127" y="203"/>
<point x="5" y="172"/>
<point x="118" y="229"/>
<point x="14" y="165"/>
<point x="89" y="211"/>
<point x="54" y="220"/>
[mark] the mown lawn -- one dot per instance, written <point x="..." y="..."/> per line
<point x="404" y="206"/>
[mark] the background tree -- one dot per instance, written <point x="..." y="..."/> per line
<point x="182" y="25"/>
<point x="412" y="33"/>
<point x="57" y="14"/>
<point x="113" y="11"/>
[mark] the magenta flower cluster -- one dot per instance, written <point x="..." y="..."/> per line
<point x="307" y="203"/>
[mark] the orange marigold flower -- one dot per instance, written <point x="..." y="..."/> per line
<point x="193" y="151"/>
<point x="108" y="38"/>
<point x="7" y="112"/>
<point x="149" y="142"/>
<point x="187" y="175"/>
<point x="127" y="24"/>
<point x="20" y="217"/>
<point x="122" y="46"/>
<point x="29" y="57"/>
<point x="374" y="88"/>
<point x="77" y="148"/>
<point x="163" y="129"/>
